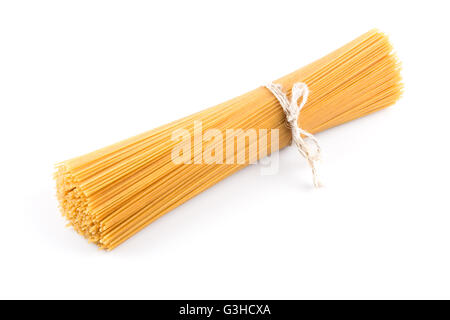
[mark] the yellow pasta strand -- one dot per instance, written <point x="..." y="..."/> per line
<point x="112" y="193"/>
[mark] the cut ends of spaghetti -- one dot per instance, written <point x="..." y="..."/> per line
<point x="73" y="204"/>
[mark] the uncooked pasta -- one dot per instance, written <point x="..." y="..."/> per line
<point x="112" y="193"/>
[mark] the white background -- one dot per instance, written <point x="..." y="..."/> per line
<point x="79" y="75"/>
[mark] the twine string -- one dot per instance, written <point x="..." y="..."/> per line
<point x="310" y="151"/>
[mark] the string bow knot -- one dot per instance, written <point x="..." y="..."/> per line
<point x="311" y="151"/>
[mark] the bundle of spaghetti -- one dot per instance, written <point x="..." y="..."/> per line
<point x="111" y="194"/>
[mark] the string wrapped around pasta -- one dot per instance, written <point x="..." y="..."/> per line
<point x="112" y="193"/>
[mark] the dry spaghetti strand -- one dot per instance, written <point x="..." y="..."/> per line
<point x="111" y="194"/>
